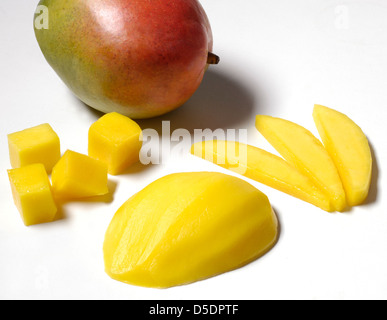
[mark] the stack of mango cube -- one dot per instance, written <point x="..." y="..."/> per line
<point x="35" y="155"/>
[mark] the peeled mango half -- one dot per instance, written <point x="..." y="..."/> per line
<point x="187" y="227"/>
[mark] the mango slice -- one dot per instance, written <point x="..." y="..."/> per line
<point x="264" y="167"/>
<point x="38" y="144"/>
<point x="116" y="140"/>
<point x="77" y="176"/>
<point x="301" y="148"/>
<point x="31" y="190"/>
<point x="187" y="227"/>
<point x="349" y="149"/>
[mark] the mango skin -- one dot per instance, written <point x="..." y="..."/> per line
<point x="138" y="58"/>
<point x="187" y="227"/>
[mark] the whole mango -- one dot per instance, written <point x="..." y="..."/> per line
<point x="139" y="58"/>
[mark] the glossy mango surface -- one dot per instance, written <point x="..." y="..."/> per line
<point x="78" y="176"/>
<point x="349" y="149"/>
<point x="32" y="194"/>
<point x="116" y="140"/>
<point x="301" y="148"/>
<point x="264" y="167"/>
<point x="38" y="144"/>
<point x="187" y="227"/>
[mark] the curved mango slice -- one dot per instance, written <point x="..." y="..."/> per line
<point x="264" y="167"/>
<point x="300" y="147"/>
<point x="349" y="149"/>
<point x="187" y="227"/>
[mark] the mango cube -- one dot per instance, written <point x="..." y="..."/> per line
<point x="116" y="140"/>
<point x="31" y="190"/>
<point x="38" y="144"/>
<point x="78" y="176"/>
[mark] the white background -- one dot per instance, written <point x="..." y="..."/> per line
<point x="279" y="58"/>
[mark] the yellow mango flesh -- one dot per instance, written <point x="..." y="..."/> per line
<point x="264" y="167"/>
<point x="31" y="190"/>
<point x="349" y="149"/>
<point x="301" y="148"/>
<point x="77" y="176"/>
<point x="39" y="144"/>
<point x="116" y="140"/>
<point x="187" y="227"/>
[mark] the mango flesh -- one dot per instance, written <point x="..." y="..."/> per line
<point x="264" y="167"/>
<point x="301" y="148"/>
<point x="187" y="227"/>
<point x="38" y="144"/>
<point x="32" y="194"/>
<point x="78" y="176"/>
<point x="139" y="58"/>
<point x="349" y="149"/>
<point x="115" y="140"/>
